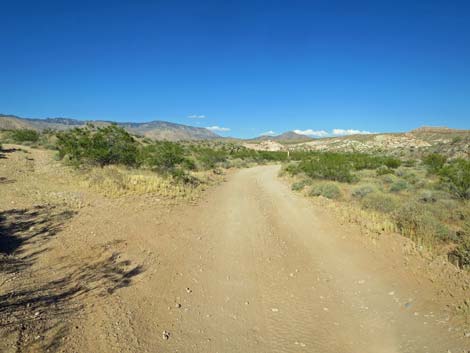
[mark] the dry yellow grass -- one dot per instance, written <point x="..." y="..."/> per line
<point x="117" y="181"/>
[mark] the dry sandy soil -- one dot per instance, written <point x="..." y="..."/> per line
<point x="251" y="267"/>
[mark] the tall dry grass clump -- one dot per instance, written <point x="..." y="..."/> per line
<point x="117" y="181"/>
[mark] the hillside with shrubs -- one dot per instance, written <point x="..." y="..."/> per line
<point x="425" y="199"/>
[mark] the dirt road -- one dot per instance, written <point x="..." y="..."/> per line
<point x="253" y="267"/>
<point x="261" y="271"/>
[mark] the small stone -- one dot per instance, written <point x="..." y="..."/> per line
<point x="467" y="334"/>
<point x="178" y="305"/>
<point x="188" y="290"/>
<point x="165" y="335"/>
<point x="325" y="309"/>
<point x="274" y="310"/>
<point x="391" y="293"/>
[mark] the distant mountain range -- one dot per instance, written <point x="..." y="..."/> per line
<point x="430" y="138"/>
<point x="158" y="130"/>
<point x="289" y="137"/>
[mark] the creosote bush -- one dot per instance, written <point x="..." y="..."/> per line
<point x="25" y="135"/>
<point x="434" y="162"/>
<point x="455" y="177"/>
<point x="101" y="146"/>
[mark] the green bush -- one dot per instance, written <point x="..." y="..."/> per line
<point x="398" y="186"/>
<point x="455" y="176"/>
<point x="434" y="162"/>
<point x="338" y="166"/>
<point x="209" y="158"/>
<point x="409" y="163"/>
<point x="391" y="162"/>
<point x="164" y="156"/>
<point x="330" y="166"/>
<point x="300" y="185"/>
<point x="328" y="190"/>
<point x="25" y="135"/>
<point x="382" y="170"/>
<point x="101" y="146"/>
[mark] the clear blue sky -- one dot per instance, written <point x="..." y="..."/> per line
<point x="251" y="66"/>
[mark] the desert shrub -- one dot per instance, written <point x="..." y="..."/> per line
<point x="378" y="201"/>
<point x="409" y="163"/>
<point x="338" y="166"/>
<point x="300" y="185"/>
<point x="362" y="190"/>
<point x="455" y="177"/>
<point x="416" y="221"/>
<point x="291" y="168"/>
<point x="382" y="170"/>
<point x="391" y="162"/>
<point x="238" y="163"/>
<point x="388" y="178"/>
<point x="25" y="135"/>
<point x="183" y="177"/>
<point x="462" y="253"/>
<point x="398" y="186"/>
<point x="367" y="161"/>
<point x="164" y="156"/>
<point x="209" y="158"/>
<point x="412" y="178"/>
<point x="400" y="172"/>
<point x="328" y="190"/>
<point x="101" y="146"/>
<point x="116" y="181"/>
<point x="427" y="196"/>
<point x="434" y="162"/>
<point x="328" y="166"/>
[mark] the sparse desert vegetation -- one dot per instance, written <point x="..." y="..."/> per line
<point x="129" y="208"/>
<point x="426" y="200"/>
<point x="115" y="162"/>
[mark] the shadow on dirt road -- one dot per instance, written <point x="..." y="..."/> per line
<point x="37" y="305"/>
